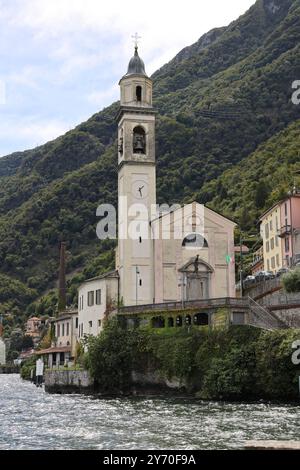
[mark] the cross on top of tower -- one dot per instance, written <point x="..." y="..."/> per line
<point x="136" y="38"/>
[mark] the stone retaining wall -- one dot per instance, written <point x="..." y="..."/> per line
<point x="68" y="381"/>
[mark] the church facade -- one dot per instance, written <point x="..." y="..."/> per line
<point x="180" y="254"/>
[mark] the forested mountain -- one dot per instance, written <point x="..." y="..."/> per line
<point x="227" y="135"/>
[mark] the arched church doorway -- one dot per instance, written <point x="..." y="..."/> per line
<point x="197" y="274"/>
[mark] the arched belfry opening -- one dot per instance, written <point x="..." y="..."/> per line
<point x="138" y="93"/>
<point x="139" y="140"/>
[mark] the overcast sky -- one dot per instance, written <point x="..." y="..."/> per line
<point x="61" y="59"/>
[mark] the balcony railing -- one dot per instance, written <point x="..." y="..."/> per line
<point x="285" y="230"/>
<point x="201" y="303"/>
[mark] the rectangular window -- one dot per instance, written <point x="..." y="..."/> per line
<point x="272" y="244"/>
<point x="285" y="209"/>
<point x="267" y="230"/>
<point x="276" y="240"/>
<point x="140" y="239"/>
<point x="273" y="262"/>
<point x="271" y="225"/>
<point x="268" y="264"/>
<point x="277" y="223"/>
<point x="98" y="297"/>
<point x="63" y="329"/>
<point x="99" y="323"/>
<point x="76" y="323"/>
<point x="90" y="324"/>
<point x="91" y="298"/>
<point x="277" y="260"/>
<point x="287" y="244"/>
<point x="58" y="331"/>
<point x="268" y="247"/>
<point x="68" y="329"/>
<point x="141" y="282"/>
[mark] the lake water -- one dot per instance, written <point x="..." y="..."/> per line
<point x="33" y="419"/>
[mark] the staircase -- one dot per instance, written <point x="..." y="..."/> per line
<point x="260" y="317"/>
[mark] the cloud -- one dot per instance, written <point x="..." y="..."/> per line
<point x="14" y="133"/>
<point x="61" y="60"/>
<point x="103" y="98"/>
<point x="165" y="26"/>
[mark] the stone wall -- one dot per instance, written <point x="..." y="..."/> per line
<point x="272" y="296"/>
<point x="68" y="381"/>
<point x="152" y="381"/>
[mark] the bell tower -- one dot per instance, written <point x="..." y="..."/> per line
<point x="136" y="184"/>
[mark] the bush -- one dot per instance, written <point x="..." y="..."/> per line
<point x="235" y="364"/>
<point x="110" y="357"/>
<point x="291" y="281"/>
<point x="27" y="367"/>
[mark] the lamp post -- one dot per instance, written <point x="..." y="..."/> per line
<point x="137" y="272"/>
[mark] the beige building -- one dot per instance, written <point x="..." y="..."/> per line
<point x="196" y="265"/>
<point x="33" y="327"/>
<point x="257" y="264"/>
<point x="272" y="247"/>
<point x="96" y="299"/>
<point x="63" y="348"/>
<point x="160" y="262"/>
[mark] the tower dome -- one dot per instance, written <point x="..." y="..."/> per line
<point x="136" y="65"/>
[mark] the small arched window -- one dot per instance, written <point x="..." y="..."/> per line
<point x="194" y="240"/>
<point x="138" y="93"/>
<point x="139" y="140"/>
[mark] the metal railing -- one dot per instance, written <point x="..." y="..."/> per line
<point x="262" y="318"/>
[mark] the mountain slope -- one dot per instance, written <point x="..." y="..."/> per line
<point x="218" y="101"/>
<point x="257" y="182"/>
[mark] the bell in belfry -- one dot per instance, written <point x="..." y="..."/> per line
<point x="139" y="144"/>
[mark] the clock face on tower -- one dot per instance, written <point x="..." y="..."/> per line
<point x="139" y="189"/>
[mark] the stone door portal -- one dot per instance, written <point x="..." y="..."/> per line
<point x="197" y="286"/>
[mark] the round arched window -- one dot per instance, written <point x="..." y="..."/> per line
<point x="194" y="240"/>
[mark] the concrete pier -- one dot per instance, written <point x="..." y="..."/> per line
<point x="272" y="445"/>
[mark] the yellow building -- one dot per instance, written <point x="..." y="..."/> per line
<point x="272" y="246"/>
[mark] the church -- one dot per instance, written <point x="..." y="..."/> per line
<point x="176" y="254"/>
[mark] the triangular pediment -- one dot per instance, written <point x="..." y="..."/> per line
<point x="196" y="263"/>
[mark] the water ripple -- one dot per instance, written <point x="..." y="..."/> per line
<point x="32" y="419"/>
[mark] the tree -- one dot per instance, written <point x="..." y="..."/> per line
<point x="291" y="281"/>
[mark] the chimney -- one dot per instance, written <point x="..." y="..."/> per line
<point x="62" y="297"/>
